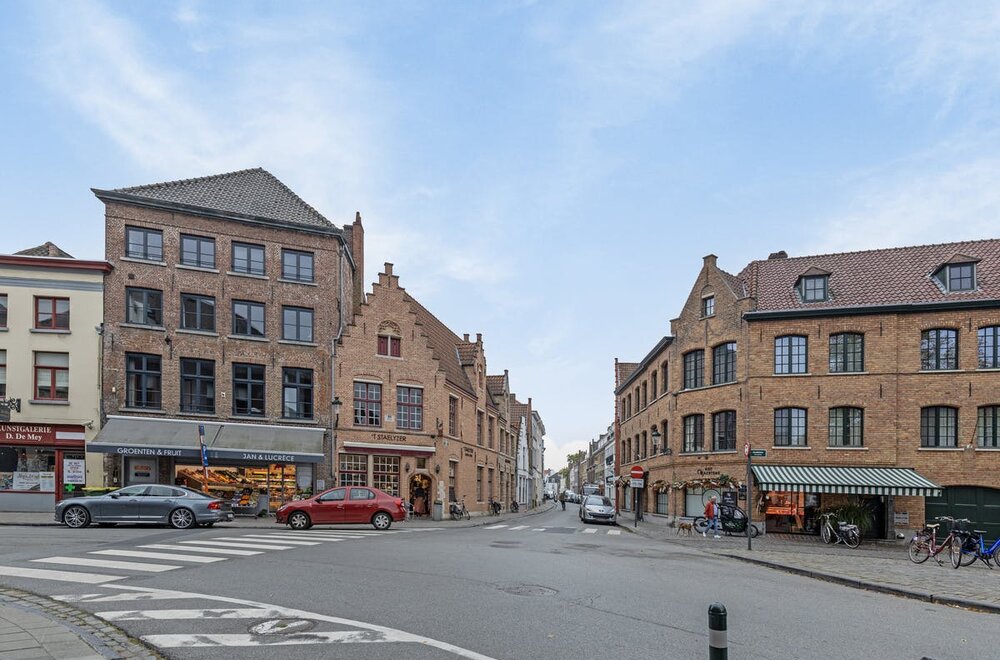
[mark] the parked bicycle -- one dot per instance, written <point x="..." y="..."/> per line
<point x="495" y="507"/>
<point x="840" y="532"/>
<point x="972" y="546"/>
<point x="458" y="510"/>
<point x="924" y="544"/>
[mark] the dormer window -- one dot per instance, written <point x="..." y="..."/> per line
<point x="957" y="274"/>
<point x="815" y="288"/>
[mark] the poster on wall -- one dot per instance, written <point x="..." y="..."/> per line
<point x="26" y="481"/>
<point x="74" y="471"/>
<point x="6" y="481"/>
<point x="47" y="481"/>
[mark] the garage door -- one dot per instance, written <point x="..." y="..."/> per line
<point x="980" y="505"/>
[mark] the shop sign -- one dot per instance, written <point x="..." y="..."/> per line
<point x="270" y="458"/>
<point x="708" y="472"/>
<point x="74" y="471"/>
<point x="729" y="498"/>
<point x="27" y="433"/>
<point x="901" y="518"/>
<point x="389" y="437"/>
<point x="148" y="451"/>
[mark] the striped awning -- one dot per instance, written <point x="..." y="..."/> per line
<point x="847" y="480"/>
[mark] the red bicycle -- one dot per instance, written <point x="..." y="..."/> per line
<point x="924" y="544"/>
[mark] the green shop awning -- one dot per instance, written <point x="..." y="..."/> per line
<point x="847" y="480"/>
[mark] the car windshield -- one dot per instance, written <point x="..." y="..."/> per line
<point x="598" y="501"/>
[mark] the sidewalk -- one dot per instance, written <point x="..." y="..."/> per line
<point x="45" y="519"/>
<point x="34" y="627"/>
<point x="875" y="566"/>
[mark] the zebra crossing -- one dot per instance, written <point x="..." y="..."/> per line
<point x="613" y="531"/>
<point x="100" y="567"/>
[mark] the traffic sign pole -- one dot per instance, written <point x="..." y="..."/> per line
<point x="749" y="453"/>
<point x="204" y="457"/>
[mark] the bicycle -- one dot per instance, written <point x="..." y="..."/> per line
<point x="458" y="510"/>
<point x="845" y="533"/>
<point x="972" y="547"/>
<point x="494" y="507"/>
<point x="924" y="544"/>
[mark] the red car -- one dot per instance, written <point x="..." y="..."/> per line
<point x="349" y="504"/>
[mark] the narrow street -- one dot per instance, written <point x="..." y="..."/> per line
<point x="544" y="584"/>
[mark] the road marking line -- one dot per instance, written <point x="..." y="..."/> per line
<point x="286" y="537"/>
<point x="62" y="576"/>
<point x="114" y="598"/>
<point x="181" y="615"/>
<point x="495" y="527"/>
<point x="590" y="531"/>
<point x="193" y="548"/>
<point x="105" y="563"/>
<point x="194" y="559"/>
<point x="255" y="538"/>
<point x="538" y="529"/>
<point x="241" y="546"/>
<point x="332" y="535"/>
<point x="333" y="637"/>
<point x="514" y="529"/>
<point x="614" y="532"/>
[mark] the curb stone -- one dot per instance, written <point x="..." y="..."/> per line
<point x="854" y="583"/>
<point x="105" y="639"/>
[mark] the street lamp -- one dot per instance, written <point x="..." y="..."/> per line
<point x="655" y="435"/>
<point x="335" y="405"/>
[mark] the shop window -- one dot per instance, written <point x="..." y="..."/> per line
<point x="198" y="312"/>
<point x="248" y="259"/>
<point x="847" y="352"/>
<point x="479" y="428"/>
<point x="367" y="404"/>
<point x="790" y="355"/>
<point x="297" y="393"/>
<point x="3" y="310"/>
<point x="694" y="369"/>
<point x="409" y="408"/>
<point x="146" y="244"/>
<point x="479" y="483"/>
<point x="297" y="324"/>
<point x="248" y="318"/>
<point x="938" y="349"/>
<point x="142" y="380"/>
<point x="724" y="363"/>
<point x="389" y="346"/>
<point x="453" y="416"/>
<point x="988" y="427"/>
<point x="847" y="427"/>
<point x="938" y="426"/>
<point x="197" y="251"/>
<point x="989" y="347"/>
<point x="197" y="386"/>
<point x="3" y="373"/>
<point x="385" y="474"/>
<point x="708" y="306"/>
<point x="297" y="266"/>
<point x="790" y="427"/>
<point x="144" y="306"/>
<point x="353" y="469"/>
<point x="724" y="431"/>
<point x="248" y="389"/>
<point x="51" y="313"/>
<point x="694" y="433"/>
<point x="28" y="469"/>
<point x="52" y="376"/>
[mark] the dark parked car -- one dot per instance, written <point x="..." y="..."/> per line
<point x="176" y="506"/>
<point x="597" y="508"/>
<point x="353" y="504"/>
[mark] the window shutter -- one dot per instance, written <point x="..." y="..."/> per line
<point x="383" y="345"/>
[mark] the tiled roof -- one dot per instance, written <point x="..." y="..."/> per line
<point x="253" y="193"/>
<point x="443" y="343"/>
<point x="467" y="352"/>
<point x="46" y="249"/>
<point x="494" y="384"/>
<point x="893" y="276"/>
<point x="517" y="410"/>
<point x="735" y="283"/>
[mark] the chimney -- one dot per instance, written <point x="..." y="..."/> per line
<point x="465" y="337"/>
<point x="479" y="338"/>
<point x="780" y="254"/>
<point x="710" y="259"/>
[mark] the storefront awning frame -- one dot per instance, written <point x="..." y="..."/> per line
<point x="844" y="480"/>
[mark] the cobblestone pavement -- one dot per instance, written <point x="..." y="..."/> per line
<point x="37" y="628"/>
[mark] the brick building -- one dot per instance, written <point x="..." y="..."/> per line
<point x="420" y="420"/>
<point x="220" y="316"/>
<point x="870" y="375"/>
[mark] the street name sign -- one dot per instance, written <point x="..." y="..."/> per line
<point x="636" y="483"/>
<point x="758" y="453"/>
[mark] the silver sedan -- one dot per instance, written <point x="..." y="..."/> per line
<point x="597" y="508"/>
<point x="176" y="506"/>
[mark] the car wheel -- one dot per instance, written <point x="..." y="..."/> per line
<point x="76" y="517"/>
<point x="381" y="520"/>
<point x="182" y="519"/>
<point x="299" y="520"/>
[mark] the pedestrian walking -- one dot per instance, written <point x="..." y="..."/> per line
<point x="712" y="516"/>
<point x="562" y="499"/>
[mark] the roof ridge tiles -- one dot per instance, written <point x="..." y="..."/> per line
<point x="897" y="248"/>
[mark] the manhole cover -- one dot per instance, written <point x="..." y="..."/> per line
<point x="282" y="627"/>
<point x="527" y="590"/>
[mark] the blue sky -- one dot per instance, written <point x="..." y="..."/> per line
<point x="550" y="173"/>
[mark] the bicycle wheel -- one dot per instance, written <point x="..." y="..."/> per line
<point x="826" y="533"/>
<point x="468" y="516"/>
<point x="919" y="550"/>
<point x="700" y="524"/>
<point x="852" y="538"/>
<point x="955" y="552"/>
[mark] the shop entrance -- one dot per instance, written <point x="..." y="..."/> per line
<point x="419" y="494"/>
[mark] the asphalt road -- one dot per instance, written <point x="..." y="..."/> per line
<point x="474" y="592"/>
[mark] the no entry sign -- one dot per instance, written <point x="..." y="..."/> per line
<point x="637" y="472"/>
